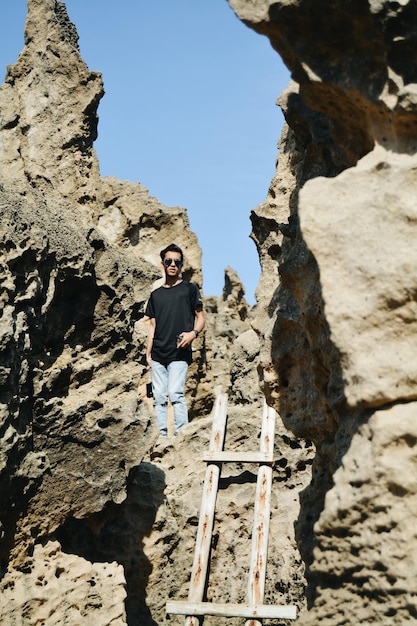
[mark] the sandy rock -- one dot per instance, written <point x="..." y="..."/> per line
<point x="64" y="331"/>
<point x="336" y="307"/>
<point x="370" y="514"/>
<point x="131" y="217"/>
<point x="64" y="589"/>
<point x="80" y="256"/>
<point x="367" y="271"/>
<point x="48" y="119"/>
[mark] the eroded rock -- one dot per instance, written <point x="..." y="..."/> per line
<point x="336" y="312"/>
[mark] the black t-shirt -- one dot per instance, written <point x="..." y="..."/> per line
<point x="174" y="311"/>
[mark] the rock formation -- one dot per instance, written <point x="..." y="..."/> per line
<point x="337" y="299"/>
<point x="98" y="519"/>
<point x="80" y="255"/>
<point x="49" y="113"/>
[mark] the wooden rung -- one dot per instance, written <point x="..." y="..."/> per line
<point x="236" y="457"/>
<point x="262" y="611"/>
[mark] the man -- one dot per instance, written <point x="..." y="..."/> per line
<point x="176" y="317"/>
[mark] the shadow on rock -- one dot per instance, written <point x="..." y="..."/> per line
<point x="117" y="533"/>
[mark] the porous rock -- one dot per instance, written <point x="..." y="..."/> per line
<point x="336" y="310"/>
<point x="48" y="119"/>
<point x="80" y="255"/>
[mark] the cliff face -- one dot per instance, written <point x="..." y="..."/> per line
<point x="80" y="256"/>
<point x="49" y="113"/>
<point x="337" y="299"/>
<point x="98" y="519"/>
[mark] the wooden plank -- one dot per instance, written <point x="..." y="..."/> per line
<point x="231" y="610"/>
<point x="208" y="505"/>
<point x="238" y="457"/>
<point x="260" y="532"/>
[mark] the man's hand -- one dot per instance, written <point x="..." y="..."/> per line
<point x="187" y="339"/>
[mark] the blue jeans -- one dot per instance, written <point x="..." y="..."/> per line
<point x="168" y="382"/>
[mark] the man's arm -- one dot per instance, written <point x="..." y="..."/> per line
<point x="199" y="322"/>
<point x="188" y="337"/>
<point x="151" y="334"/>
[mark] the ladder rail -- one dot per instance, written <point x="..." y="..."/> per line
<point x="207" y="510"/>
<point x="261" y="517"/>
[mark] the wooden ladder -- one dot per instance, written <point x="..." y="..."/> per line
<point x="254" y="609"/>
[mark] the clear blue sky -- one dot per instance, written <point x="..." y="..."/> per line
<point x="189" y="112"/>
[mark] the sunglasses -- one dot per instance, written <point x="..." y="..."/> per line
<point x="167" y="262"/>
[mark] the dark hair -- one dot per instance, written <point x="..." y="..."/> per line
<point x="171" y="248"/>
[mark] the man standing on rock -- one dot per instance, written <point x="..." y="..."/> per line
<point x="176" y="317"/>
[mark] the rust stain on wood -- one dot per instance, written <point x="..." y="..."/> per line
<point x="197" y="573"/>
<point x="210" y="481"/>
